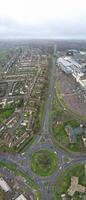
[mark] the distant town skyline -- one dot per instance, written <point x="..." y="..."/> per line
<point x="43" y="19"/>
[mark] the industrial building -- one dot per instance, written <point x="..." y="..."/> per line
<point x="70" y="66"/>
<point x="65" y="65"/>
<point x="21" y="197"/>
<point x="4" y="185"/>
<point x="68" y="62"/>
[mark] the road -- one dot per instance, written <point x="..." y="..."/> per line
<point x="46" y="194"/>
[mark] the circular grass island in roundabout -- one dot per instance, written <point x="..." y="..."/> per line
<point x="43" y="162"/>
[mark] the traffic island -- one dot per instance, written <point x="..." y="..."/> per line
<point x="43" y="162"/>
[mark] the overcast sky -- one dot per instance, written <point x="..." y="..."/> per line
<point x="42" y="18"/>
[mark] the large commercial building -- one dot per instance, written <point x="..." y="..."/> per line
<point x="21" y="197"/>
<point x="4" y="185"/>
<point x="70" y="66"/>
<point x="65" y="65"/>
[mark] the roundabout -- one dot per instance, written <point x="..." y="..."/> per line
<point x="43" y="162"/>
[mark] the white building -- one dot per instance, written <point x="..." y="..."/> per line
<point x="69" y="66"/>
<point x="4" y="185"/>
<point x="21" y="197"/>
<point x="83" y="83"/>
<point x="65" y="65"/>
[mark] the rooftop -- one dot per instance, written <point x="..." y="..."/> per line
<point x="65" y="62"/>
<point x="75" y="186"/>
<point x="83" y="82"/>
<point x="21" y="197"/>
<point x="4" y="185"/>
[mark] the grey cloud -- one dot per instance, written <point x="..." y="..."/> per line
<point x="11" y="28"/>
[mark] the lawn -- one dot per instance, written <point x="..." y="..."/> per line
<point x="43" y="162"/>
<point x="63" y="182"/>
<point x="58" y="119"/>
<point x="3" y="55"/>
<point x="1" y="194"/>
<point x="6" y="113"/>
<point x="42" y="140"/>
<point x="61" y="137"/>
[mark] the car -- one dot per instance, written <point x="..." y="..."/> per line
<point x="60" y="167"/>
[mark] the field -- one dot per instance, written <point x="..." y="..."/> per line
<point x="3" y="55"/>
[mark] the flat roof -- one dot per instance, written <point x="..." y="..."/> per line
<point x="21" y="197"/>
<point x="73" y="62"/>
<point x="83" y="82"/>
<point x="64" y="62"/>
<point x="4" y="185"/>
